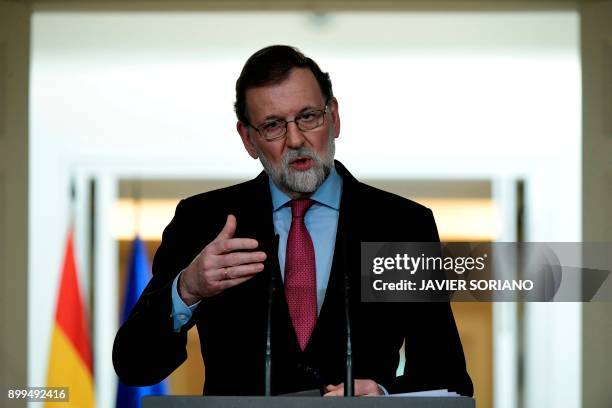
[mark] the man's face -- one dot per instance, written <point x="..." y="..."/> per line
<point x="298" y="163"/>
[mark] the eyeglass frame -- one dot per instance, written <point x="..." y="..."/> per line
<point x="287" y="122"/>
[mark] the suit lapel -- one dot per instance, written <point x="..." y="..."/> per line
<point x="260" y="224"/>
<point x="330" y="326"/>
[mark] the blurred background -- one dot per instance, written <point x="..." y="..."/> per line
<point x="497" y="115"/>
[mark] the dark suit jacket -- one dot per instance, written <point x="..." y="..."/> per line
<point x="232" y="325"/>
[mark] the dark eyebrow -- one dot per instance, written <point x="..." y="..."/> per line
<point x="308" y="108"/>
<point x="271" y="118"/>
<point x="303" y="110"/>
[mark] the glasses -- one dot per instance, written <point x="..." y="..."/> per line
<point x="305" y="121"/>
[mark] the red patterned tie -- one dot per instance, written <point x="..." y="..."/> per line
<point x="300" y="274"/>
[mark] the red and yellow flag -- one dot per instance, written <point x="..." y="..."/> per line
<point x="70" y="363"/>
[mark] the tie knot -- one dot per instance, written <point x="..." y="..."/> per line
<point x="299" y="207"/>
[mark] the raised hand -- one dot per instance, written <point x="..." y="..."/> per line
<point x="222" y="264"/>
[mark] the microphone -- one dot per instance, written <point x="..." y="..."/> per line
<point x="349" y="381"/>
<point x="271" y="289"/>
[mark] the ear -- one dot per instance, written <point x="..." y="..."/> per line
<point x="335" y="116"/>
<point x="243" y="131"/>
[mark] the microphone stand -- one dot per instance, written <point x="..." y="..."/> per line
<point x="349" y="381"/>
<point x="268" y="355"/>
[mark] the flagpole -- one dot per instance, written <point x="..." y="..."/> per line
<point x="136" y="197"/>
<point x="70" y="355"/>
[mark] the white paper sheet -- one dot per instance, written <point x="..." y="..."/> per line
<point x="429" y="393"/>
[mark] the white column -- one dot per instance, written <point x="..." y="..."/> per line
<point x="105" y="285"/>
<point x="505" y="356"/>
<point x="552" y="331"/>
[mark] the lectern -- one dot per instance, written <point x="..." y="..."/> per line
<point x="307" y="402"/>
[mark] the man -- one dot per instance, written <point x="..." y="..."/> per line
<point x="217" y="255"/>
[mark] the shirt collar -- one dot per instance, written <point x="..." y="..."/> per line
<point x="327" y="194"/>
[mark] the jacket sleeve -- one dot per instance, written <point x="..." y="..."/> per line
<point x="433" y="350"/>
<point x="434" y="357"/>
<point x="146" y="348"/>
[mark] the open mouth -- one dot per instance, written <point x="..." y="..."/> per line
<point x="301" y="163"/>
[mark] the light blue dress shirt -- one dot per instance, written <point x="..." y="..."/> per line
<point x="321" y="221"/>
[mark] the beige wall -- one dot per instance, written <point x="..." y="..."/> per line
<point x="596" y="42"/>
<point x="14" y="75"/>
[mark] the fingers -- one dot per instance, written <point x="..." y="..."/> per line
<point x="223" y="263"/>
<point x="362" y="388"/>
<point x="223" y="246"/>
<point x="225" y="250"/>
<point x="240" y="271"/>
<point x="228" y="229"/>
<point x="239" y="258"/>
<point x="212" y="262"/>
<point x="332" y="387"/>
<point x="225" y="241"/>
<point x="334" y="390"/>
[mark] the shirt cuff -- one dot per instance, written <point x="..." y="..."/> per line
<point x="181" y="313"/>
<point x="384" y="390"/>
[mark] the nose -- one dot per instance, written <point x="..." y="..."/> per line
<point x="295" y="138"/>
